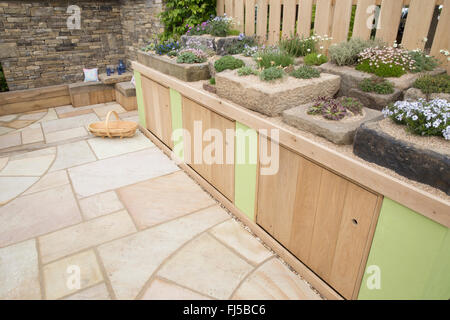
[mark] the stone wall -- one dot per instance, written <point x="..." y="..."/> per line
<point x="38" y="49"/>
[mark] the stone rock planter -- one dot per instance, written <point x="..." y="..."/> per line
<point x="338" y="132"/>
<point x="271" y="98"/>
<point x="415" y="162"/>
<point x="352" y="77"/>
<point x="169" y="66"/>
<point x="414" y="94"/>
<point x="374" y="100"/>
<point x="219" y="44"/>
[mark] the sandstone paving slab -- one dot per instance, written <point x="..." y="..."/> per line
<point x="131" y="261"/>
<point x="4" y="130"/>
<point x="9" y="117"/>
<point x="72" y="154"/>
<point x="49" y="181"/>
<point x="100" y="204"/>
<point x="32" y="166"/>
<point x="160" y="289"/>
<point x="274" y="281"/>
<point x="68" y="123"/>
<point x="32" y="135"/>
<point x="164" y="198"/>
<point x="84" y="235"/>
<point x="51" y="115"/>
<point x="67" y="134"/>
<point x="96" y="292"/>
<point x="103" y="110"/>
<point x="74" y="113"/>
<point x="89" y="179"/>
<point x="32" y="116"/>
<point x="10" y="140"/>
<point x="106" y="148"/>
<point x="19" y="124"/>
<point x="235" y="236"/>
<point x="69" y="109"/>
<point x="11" y="187"/>
<point x="32" y="215"/>
<point x="3" y="162"/>
<point x="19" y="273"/>
<point x="57" y="275"/>
<point x="206" y="266"/>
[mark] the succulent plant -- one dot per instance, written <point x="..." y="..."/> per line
<point x="333" y="110"/>
<point x="316" y="108"/>
<point x="351" y="104"/>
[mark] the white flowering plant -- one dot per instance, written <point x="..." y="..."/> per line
<point x="423" y="118"/>
<point x="386" y="61"/>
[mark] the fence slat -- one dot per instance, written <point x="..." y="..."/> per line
<point x="341" y="21"/>
<point x="229" y="8"/>
<point x="418" y="23"/>
<point x="261" y="22"/>
<point x="220" y="7"/>
<point x="289" y="7"/>
<point x="249" y="17"/>
<point x="304" y="18"/>
<point x="324" y="11"/>
<point x="389" y="20"/>
<point x="442" y="36"/>
<point x="274" y="21"/>
<point x="239" y="14"/>
<point x="362" y="15"/>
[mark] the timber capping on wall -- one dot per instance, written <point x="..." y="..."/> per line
<point x="427" y="204"/>
<point x="34" y="99"/>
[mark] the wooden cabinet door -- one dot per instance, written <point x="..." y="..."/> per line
<point x="220" y="175"/>
<point x="322" y="218"/>
<point x="157" y="110"/>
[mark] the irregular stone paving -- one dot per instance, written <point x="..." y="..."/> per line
<point x="122" y="216"/>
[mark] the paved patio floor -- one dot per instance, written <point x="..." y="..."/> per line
<point x="122" y="216"/>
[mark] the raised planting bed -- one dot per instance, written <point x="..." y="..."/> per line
<point x="272" y="98"/>
<point x="351" y="77"/>
<point x="247" y="60"/>
<point x="374" y="100"/>
<point x="169" y="66"/>
<point x="423" y="159"/>
<point x="220" y="45"/>
<point x="338" y="132"/>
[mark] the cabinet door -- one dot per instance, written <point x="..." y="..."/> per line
<point x="322" y="218"/>
<point x="218" y="173"/>
<point x="157" y="110"/>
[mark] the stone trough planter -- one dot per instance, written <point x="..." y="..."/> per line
<point x="417" y="162"/>
<point x="338" y="132"/>
<point x="219" y="44"/>
<point x="272" y="98"/>
<point x="247" y="60"/>
<point x="350" y="79"/>
<point x="169" y="66"/>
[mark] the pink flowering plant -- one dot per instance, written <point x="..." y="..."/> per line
<point x="423" y="118"/>
<point x="385" y="61"/>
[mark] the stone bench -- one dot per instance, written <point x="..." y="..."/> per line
<point x="126" y="95"/>
<point x="89" y="93"/>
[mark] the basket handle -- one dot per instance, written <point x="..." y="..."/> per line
<point x="107" y="121"/>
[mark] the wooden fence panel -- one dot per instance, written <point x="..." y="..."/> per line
<point x="442" y="37"/>
<point x="324" y="12"/>
<point x="341" y="21"/>
<point x="389" y="20"/>
<point x="220" y="7"/>
<point x="418" y="23"/>
<point x="261" y="23"/>
<point x="274" y="22"/>
<point x="249" y="17"/>
<point x="229" y="8"/>
<point x="304" y="18"/>
<point x="289" y="7"/>
<point x="239" y="14"/>
<point x="362" y="15"/>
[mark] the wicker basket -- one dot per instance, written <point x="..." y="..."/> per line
<point x="117" y="128"/>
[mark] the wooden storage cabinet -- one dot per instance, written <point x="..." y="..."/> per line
<point x="157" y="110"/>
<point x="323" y="219"/>
<point x="221" y="176"/>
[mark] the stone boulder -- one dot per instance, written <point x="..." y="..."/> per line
<point x="374" y="100"/>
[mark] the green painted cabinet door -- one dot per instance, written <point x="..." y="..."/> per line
<point x="409" y="257"/>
